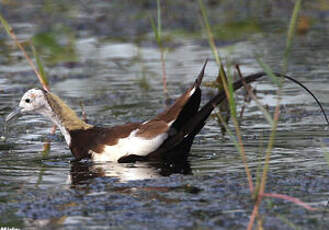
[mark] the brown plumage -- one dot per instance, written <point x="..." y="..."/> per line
<point x="68" y="117"/>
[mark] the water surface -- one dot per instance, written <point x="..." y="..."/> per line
<point x="119" y="80"/>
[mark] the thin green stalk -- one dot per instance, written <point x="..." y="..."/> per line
<point x="40" y="66"/>
<point x="243" y="154"/>
<point x="212" y="44"/>
<point x="261" y="190"/>
<point x="164" y="74"/>
<point x="210" y="34"/>
<point x="259" y="168"/>
<point x="238" y="132"/>
<point x="157" y="30"/>
<point x="291" y="33"/>
<point x="231" y="92"/>
<point x="270" y="144"/>
<point x="277" y="81"/>
<point x="159" y="27"/>
<point x="40" y="73"/>
<point x="11" y="33"/>
<point x="235" y="141"/>
<point x="228" y="88"/>
<point x="252" y="95"/>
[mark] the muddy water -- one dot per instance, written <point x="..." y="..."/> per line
<point x="120" y="81"/>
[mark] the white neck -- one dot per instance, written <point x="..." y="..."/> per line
<point x="47" y="112"/>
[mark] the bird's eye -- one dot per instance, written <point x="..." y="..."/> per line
<point x="27" y="100"/>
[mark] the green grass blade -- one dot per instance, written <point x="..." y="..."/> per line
<point x="269" y="73"/>
<point x="209" y="32"/>
<point x="221" y="79"/>
<point x="11" y="34"/>
<point x="228" y="92"/>
<point x="291" y="33"/>
<point x="230" y="133"/>
<point x="159" y="27"/>
<point x="231" y="98"/>
<point x="155" y="30"/>
<point x="5" y="25"/>
<point x="40" y="66"/>
<point x="267" y="115"/>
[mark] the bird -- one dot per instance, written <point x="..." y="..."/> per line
<point x="166" y="137"/>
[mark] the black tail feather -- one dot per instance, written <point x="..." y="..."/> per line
<point x="184" y="136"/>
<point x="192" y="105"/>
<point x="198" y="81"/>
<point x="304" y="87"/>
<point x="189" y="110"/>
<point x="207" y="108"/>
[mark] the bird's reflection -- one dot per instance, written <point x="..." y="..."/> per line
<point x="81" y="172"/>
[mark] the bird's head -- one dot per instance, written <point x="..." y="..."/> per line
<point x="50" y="106"/>
<point x="33" y="101"/>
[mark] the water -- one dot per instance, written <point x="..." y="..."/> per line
<point x="119" y="80"/>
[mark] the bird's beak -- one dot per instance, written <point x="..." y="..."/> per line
<point x="17" y="112"/>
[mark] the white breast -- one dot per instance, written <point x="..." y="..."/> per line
<point x="131" y="145"/>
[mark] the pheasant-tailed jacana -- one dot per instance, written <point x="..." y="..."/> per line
<point x="167" y="136"/>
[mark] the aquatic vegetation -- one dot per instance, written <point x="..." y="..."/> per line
<point x="227" y="86"/>
<point x="261" y="191"/>
<point x="157" y="29"/>
<point x="53" y="51"/>
<point x="258" y="190"/>
<point x="39" y="73"/>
